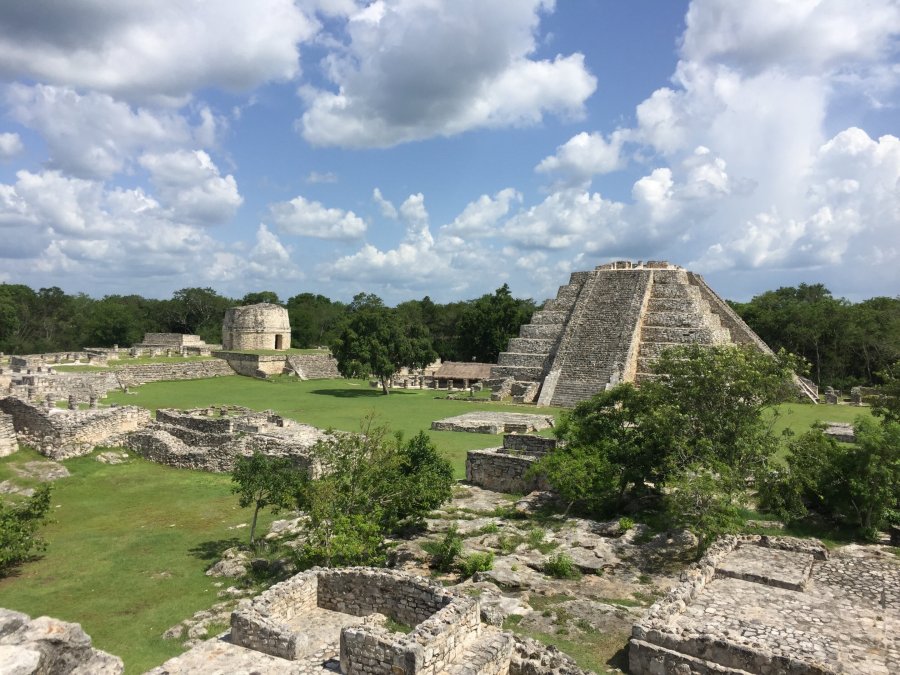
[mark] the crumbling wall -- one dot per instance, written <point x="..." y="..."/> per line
<point x="60" y="434"/>
<point x="506" y="469"/>
<point x="8" y="442"/>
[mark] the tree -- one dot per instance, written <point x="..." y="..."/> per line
<point x="19" y="523"/>
<point x="372" y="485"/>
<point x="487" y="324"/>
<point x="373" y="341"/>
<point x="695" y="434"/>
<point x="261" y="296"/>
<point x="314" y="319"/>
<point x="887" y="401"/>
<point x="853" y="484"/>
<point x="198" y="311"/>
<point x="261" y="481"/>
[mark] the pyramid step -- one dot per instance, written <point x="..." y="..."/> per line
<point x="530" y="345"/>
<point x="543" y="331"/>
<point x="672" y="304"/>
<point x="675" y="291"/>
<point x="549" y="316"/>
<point x="488" y="654"/>
<point x="522" y="359"/>
<point x="670" y="277"/>
<point x="677" y="319"/>
<point x="654" y="349"/>
<point x="524" y="374"/>
<point x="682" y="336"/>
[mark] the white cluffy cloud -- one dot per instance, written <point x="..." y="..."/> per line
<point x="403" y="75"/>
<point x="585" y="155"/>
<point x="159" y="50"/>
<point x="10" y="145"/>
<point x="307" y="218"/>
<point x="93" y="135"/>
<point x="189" y="184"/>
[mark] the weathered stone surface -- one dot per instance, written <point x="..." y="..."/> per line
<point x="494" y="423"/>
<point x="61" y="648"/>
<point x="112" y="457"/>
<point x="234" y="564"/>
<point x="252" y="327"/>
<point x="608" y="325"/>
<point x="746" y="606"/>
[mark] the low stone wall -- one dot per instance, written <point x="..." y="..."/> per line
<point x="314" y="366"/>
<point x="60" y="434"/>
<point x="528" y="444"/>
<point x="8" y="442"/>
<point x="443" y="621"/>
<point x="253" y="365"/>
<point x="654" y="648"/>
<point x="132" y="376"/>
<point x="493" y="469"/>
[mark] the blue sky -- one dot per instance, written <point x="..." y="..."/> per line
<point x="427" y="147"/>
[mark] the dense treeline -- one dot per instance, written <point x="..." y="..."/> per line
<point x="50" y="320"/>
<point x="845" y="343"/>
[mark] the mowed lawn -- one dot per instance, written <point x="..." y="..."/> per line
<point x="338" y="404"/>
<point x="127" y="551"/>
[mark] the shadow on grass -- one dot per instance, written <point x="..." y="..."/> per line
<point x="357" y="393"/>
<point x="619" y="660"/>
<point x="213" y="550"/>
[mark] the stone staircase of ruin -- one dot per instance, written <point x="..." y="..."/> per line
<point x="594" y="349"/>
<point x="529" y="355"/>
<point x="677" y="314"/>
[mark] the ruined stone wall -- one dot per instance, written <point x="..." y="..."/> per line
<point x="132" y="376"/>
<point x="60" y="434"/>
<point x="314" y="366"/>
<point x="175" y="340"/>
<point x="253" y="327"/>
<point x="214" y="425"/>
<point x="741" y="333"/>
<point x="8" y="442"/>
<point x="528" y="444"/>
<point x="261" y="624"/>
<point x="253" y="365"/>
<point x="495" y="470"/>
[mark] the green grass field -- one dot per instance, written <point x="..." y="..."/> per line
<point x="128" y="548"/>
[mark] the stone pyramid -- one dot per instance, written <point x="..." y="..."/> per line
<point x="606" y="326"/>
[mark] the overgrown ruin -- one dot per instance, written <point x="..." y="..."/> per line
<point x="608" y="325"/>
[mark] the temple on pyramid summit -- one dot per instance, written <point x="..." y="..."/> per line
<point x="606" y="326"/>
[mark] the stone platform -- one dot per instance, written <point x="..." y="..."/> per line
<point x="494" y="423"/>
<point x="763" y="605"/>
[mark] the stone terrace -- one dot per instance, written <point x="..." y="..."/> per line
<point x="776" y="605"/>
<point x="494" y="423"/>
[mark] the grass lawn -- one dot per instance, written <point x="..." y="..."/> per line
<point x="799" y="417"/>
<point x="339" y="404"/>
<point x="127" y="553"/>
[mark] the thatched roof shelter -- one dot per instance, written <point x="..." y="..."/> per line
<point x="461" y="370"/>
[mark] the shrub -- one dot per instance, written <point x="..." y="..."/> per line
<point x="476" y="562"/>
<point x="445" y="552"/>
<point x="626" y="523"/>
<point x="561" y="566"/>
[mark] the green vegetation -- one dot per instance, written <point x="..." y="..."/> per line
<point x="19" y="524"/>
<point x="445" y="551"/>
<point x="561" y="566"/>
<point x="337" y="404"/>
<point x="261" y="481"/>
<point x="128" y="545"/>
<point x="475" y="562"/>
<point x="376" y="485"/>
<point x="376" y="340"/>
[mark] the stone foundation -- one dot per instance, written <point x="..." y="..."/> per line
<point x="775" y="606"/>
<point x="211" y="439"/>
<point x="505" y="469"/>
<point x="8" y="441"/>
<point x="494" y="423"/>
<point x="60" y="434"/>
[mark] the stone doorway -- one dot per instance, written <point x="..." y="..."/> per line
<point x="279" y="342"/>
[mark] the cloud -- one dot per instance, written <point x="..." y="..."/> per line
<point x="316" y="177"/>
<point x="10" y="145"/>
<point x="94" y="136"/>
<point x="388" y="210"/>
<point x="479" y="219"/>
<point x="403" y="75"/>
<point x="161" y="50"/>
<point x="585" y="155"/>
<point x="189" y="184"/>
<point x="307" y="218"/>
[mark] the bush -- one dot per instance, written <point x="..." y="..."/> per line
<point x="445" y="552"/>
<point x="561" y="566"/>
<point x="476" y="562"/>
<point x="626" y="523"/>
<point x="18" y="528"/>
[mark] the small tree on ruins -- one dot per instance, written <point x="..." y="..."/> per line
<point x="374" y="341"/>
<point x="261" y="481"/>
